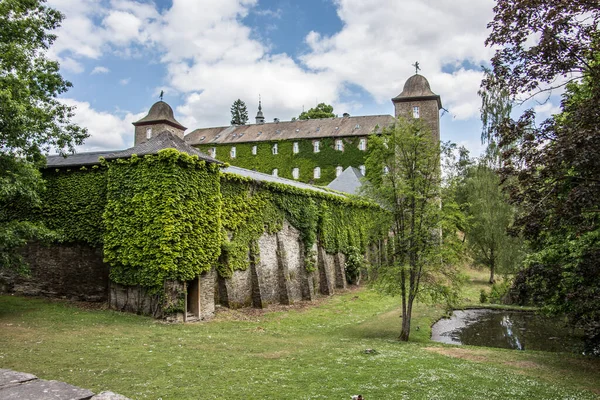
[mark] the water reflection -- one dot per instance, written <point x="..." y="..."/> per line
<point x="507" y="329"/>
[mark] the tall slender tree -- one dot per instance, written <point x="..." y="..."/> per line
<point x="239" y="113"/>
<point x="403" y="175"/>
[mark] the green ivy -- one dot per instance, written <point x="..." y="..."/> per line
<point x="74" y="202"/>
<point x="305" y="160"/>
<point x="162" y="218"/>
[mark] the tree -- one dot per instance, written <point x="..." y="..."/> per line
<point x="490" y="217"/>
<point x="552" y="170"/>
<point x="403" y="174"/>
<point x="239" y="113"/>
<point x="322" y="110"/>
<point x="32" y="119"/>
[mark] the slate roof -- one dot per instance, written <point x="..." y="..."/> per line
<point x="417" y="88"/>
<point x="78" y="159"/>
<point x="164" y="140"/>
<point x="348" y="181"/>
<point x="286" y="130"/>
<point x="160" y="112"/>
<point x="259" y="176"/>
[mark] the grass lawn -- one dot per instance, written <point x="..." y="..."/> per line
<point x="314" y="352"/>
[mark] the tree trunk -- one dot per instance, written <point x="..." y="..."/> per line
<point x="406" y="317"/>
<point x="492" y="267"/>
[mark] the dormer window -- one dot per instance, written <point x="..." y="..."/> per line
<point x="232" y="153"/>
<point x="295" y="148"/>
<point x="148" y="133"/>
<point x="274" y="149"/>
<point x="416" y="112"/>
<point x="254" y="150"/>
<point x="316" y="148"/>
<point x="339" y="145"/>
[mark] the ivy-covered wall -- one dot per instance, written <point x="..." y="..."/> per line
<point x="252" y="208"/>
<point x="285" y="161"/>
<point x="74" y="202"/>
<point x="162" y="218"/>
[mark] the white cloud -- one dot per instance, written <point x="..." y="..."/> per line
<point x="107" y="131"/>
<point x="124" y="81"/>
<point x="100" y="70"/>
<point x="212" y="58"/>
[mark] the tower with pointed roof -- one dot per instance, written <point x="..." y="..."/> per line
<point x="418" y="101"/>
<point x="260" y="118"/>
<point x="159" y="119"/>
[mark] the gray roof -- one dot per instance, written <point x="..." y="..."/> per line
<point x="348" y="181"/>
<point x="78" y="159"/>
<point x="260" y="177"/>
<point x="285" y="130"/>
<point x="417" y="88"/>
<point x="160" y="112"/>
<point x="164" y="140"/>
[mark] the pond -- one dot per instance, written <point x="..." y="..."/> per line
<point x="519" y="330"/>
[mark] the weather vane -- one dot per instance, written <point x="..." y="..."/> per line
<point x="417" y="68"/>
<point x="161" y="94"/>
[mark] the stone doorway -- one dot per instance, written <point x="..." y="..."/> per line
<point x="193" y="300"/>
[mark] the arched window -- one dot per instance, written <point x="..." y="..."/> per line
<point x="295" y="148"/>
<point x="275" y="151"/>
<point x="338" y="170"/>
<point x="254" y="150"/>
<point x="232" y="153"/>
<point x="316" y="146"/>
<point x="362" y="144"/>
<point x="296" y="173"/>
<point x="362" y="169"/>
<point x="339" y="145"/>
<point x="275" y="172"/>
<point x="148" y="133"/>
<point x="416" y="112"/>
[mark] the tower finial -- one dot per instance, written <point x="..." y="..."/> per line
<point x="259" y="105"/>
<point x="417" y="67"/>
<point x="162" y="92"/>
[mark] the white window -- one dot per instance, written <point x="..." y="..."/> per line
<point x="362" y="169"/>
<point x="275" y="172"/>
<point x="295" y="148"/>
<point x="416" y="112"/>
<point x="386" y="170"/>
<point x="338" y="170"/>
<point x="362" y="144"/>
<point x="275" y="151"/>
<point x="148" y="133"/>
<point x="296" y="173"/>
<point x="254" y="150"/>
<point x="212" y="152"/>
<point x="232" y="152"/>
<point x="339" y="145"/>
<point x="316" y="146"/>
<point x="317" y="173"/>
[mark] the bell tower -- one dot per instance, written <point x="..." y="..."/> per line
<point x="159" y="119"/>
<point x="418" y="101"/>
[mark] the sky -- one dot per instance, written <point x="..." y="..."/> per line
<point x="205" y="54"/>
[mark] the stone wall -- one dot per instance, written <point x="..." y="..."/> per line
<point x="72" y="271"/>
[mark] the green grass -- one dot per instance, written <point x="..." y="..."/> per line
<point x="313" y="353"/>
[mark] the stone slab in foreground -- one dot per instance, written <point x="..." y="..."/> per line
<point x="22" y="386"/>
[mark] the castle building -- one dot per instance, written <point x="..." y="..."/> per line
<point x="313" y="151"/>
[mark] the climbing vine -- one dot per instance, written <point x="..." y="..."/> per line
<point x="74" y="202"/>
<point x="162" y="218"/>
<point x="328" y="159"/>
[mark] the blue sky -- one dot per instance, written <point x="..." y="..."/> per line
<point x="204" y="54"/>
